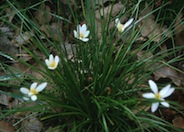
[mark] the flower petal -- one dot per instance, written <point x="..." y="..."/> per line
<point x="154" y="107"/>
<point x="83" y="28"/>
<point x="41" y="87"/>
<point x="164" y="90"/>
<point x="117" y="21"/>
<point x="47" y="62"/>
<point x="169" y="92"/>
<point x="75" y="34"/>
<point x="56" y="59"/>
<point x="166" y="104"/>
<point x="148" y="95"/>
<point x="153" y="86"/>
<point x="25" y="98"/>
<point x="24" y="90"/>
<point x="33" y="85"/>
<point x="33" y="97"/>
<point x="78" y="28"/>
<point x="128" y="23"/>
<point x="85" y="39"/>
<point x="86" y="33"/>
<point x="51" y="57"/>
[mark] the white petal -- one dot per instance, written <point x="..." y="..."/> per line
<point x="169" y="92"/>
<point x="117" y="21"/>
<point x="41" y="87"/>
<point x="166" y="104"/>
<point x="56" y="59"/>
<point x="52" y="68"/>
<point x="83" y="28"/>
<point x="26" y="98"/>
<point x="33" y="85"/>
<point x="85" y="39"/>
<point x="164" y="90"/>
<point x="51" y="57"/>
<point x="123" y="28"/>
<point x="128" y="23"/>
<point x="33" y="97"/>
<point x="24" y="90"/>
<point x="75" y="34"/>
<point x="153" y="86"/>
<point x="47" y="62"/>
<point x="148" y="95"/>
<point x="78" y="28"/>
<point x="86" y="33"/>
<point x="154" y="107"/>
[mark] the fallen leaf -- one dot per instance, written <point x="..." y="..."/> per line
<point x="27" y="70"/>
<point x="23" y="38"/>
<point x="149" y="27"/>
<point x="167" y="72"/>
<point x="6" y="127"/>
<point x="10" y="14"/>
<point x="70" y="49"/>
<point x="53" y="31"/>
<point x="43" y="14"/>
<point x="179" y="30"/>
<point x="144" y="54"/>
<point x="178" y="122"/>
<point x="164" y="71"/>
<point x="31" y="125"/>
<point x="4" y="99"/>
<point x="72" y="2"/>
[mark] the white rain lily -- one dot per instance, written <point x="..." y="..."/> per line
<point x="160" y="96"/>
<point x="122" y="27"/>
<point x="33" y="91"/>
<point x="82" y="33"/>
<point x="52" y="62"/>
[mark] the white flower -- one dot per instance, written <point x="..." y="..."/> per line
<point x="33" y="91"/>
<point x="82" y="33"/>
<point x="52" y="63"/>
<point x="159" y="96"/>
<point x="122" y="27"/>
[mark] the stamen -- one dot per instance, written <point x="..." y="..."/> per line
<point x="33" y="91"/>
<point x="120" y="27"/>
<point x="81" y="35"/>
<point x="53" y="64"/>
<point x="157" y="96"/>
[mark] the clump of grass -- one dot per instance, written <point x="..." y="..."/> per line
<point x="100" y="87"/>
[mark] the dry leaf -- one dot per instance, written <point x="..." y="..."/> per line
<point x="178" y="122"/>
<point x="144" y="54"/>
<point x="31" y="125"/>
<point x="53" y="31"/>
<point x="43" y="14"/>
<point x="72" y="2"/>
<point x="6" y="127"/>
<point x="23" y="38"/>
<point x="70" y="49"/>
<point x="167" y="72"/>
<point x="149" y="27"/>
<point x="4" y="99"/>
<point x="179" y="30"/>
<point x="10" y="14"/>
<point x="27" y="70"/>
<point x="164" y="71"/>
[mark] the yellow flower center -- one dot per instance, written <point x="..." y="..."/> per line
<point x="33" y="91"/>
<point x="120" y="27"/>
<point x="53" y="64"/>
<point x="81" y="35"/>
<point x="157" y="96"/>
